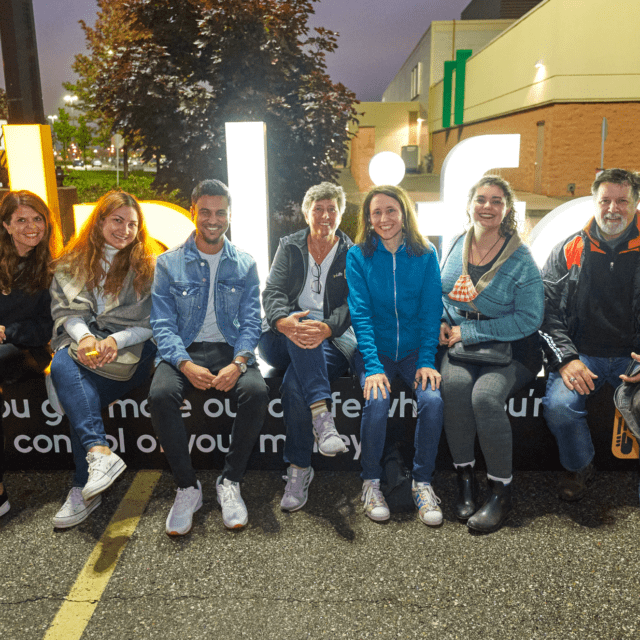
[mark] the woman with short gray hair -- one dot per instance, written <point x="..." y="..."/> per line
<point x="307" y="333"/>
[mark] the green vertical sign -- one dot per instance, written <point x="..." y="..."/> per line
<point x="449" y="66"/>
<point x="460" y="65"/>
<point x="462" y="55"/>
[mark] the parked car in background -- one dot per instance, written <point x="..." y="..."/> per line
<point x="78" y="163"/>
<point x="96" y="163"/>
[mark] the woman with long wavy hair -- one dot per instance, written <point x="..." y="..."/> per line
<point x="491" y="292"/>
<point x="394" y="300"/>
<point x="101" y="302"/>
<point x="29" y="239"/>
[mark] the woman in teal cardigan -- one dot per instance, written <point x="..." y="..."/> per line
<point x="491" y="290"/>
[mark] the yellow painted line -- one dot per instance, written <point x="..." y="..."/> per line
<point x="74" y="615"/>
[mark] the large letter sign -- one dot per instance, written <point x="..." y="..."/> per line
<point x="464" y="165"/>
<point x="557" y="225"/>
<point x="168" y="223"/>
<point x="31" y="166"/>
<point x="247" y="169"/>
<point x="30" y="161"/>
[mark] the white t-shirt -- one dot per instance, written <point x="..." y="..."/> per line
<point x="314" y="302"/>
<point x="210" y="332"/>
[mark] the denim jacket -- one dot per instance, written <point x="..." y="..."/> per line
<point x="179" y="300"/>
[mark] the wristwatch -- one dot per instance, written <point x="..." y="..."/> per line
<point x="241" y="365"/>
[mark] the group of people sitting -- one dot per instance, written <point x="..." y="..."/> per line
<point x="464" y="334"/>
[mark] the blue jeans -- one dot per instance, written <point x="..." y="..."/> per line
<point x="566" y="415"/>
<point x="373" y="427"/>
<point x="307" y="379"/>
<point x="83" y="394"/>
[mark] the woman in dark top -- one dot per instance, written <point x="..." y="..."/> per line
<point x="491" y="290"/>
<point x="29" y="240"/>
<point x="308" y="333"/>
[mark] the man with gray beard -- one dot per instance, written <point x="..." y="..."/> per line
<point x="591" y="327"/>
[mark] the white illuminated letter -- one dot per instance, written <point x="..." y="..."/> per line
<point x="247" y="169"/>
<point x="558" y="225"/>
<point x="464" y="165"/>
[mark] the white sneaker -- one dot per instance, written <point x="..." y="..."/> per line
<point x="75" y="509"/>
<point x="103" y="471"/>
<point x="427" y="502"/>
<point x="180" y="518"/>
<point x="234" y="510"/>
<point x="375" y="506"/>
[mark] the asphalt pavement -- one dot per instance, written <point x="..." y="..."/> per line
<point x="556" y="570"/>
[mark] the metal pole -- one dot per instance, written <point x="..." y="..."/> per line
<point x="605" y="128"/>
<point x="20" y="58"/>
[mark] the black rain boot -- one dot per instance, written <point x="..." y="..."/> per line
<point x="467" y="502"/>
<point x="494" y="511"/>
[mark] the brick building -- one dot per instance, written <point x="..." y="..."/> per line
<point x="550" y="75"/>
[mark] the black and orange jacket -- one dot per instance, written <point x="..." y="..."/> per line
<point x="567" y="291"/>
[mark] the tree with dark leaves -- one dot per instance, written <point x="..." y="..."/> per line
<point x="174" y="73"/>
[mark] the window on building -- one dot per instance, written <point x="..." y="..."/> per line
<point x="416" y="74"/>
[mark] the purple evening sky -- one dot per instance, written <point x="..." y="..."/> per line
<point x="376" y="36"/>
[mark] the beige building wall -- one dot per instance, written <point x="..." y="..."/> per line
<point x="385" y="126"/>
<point x="448" y="36"/>
<point x="437" y="45"/>
<point x="587" y="69"/>
<point x="585" y="57"/>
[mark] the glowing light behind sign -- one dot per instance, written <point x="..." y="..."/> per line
<point x="386" y="167"/>
<point x="168" y="223"/>
<point x="30" y="161"/>
<point x="559" y="224"/>
<point x="247" y="170"/>
<point x="464" y="165"/>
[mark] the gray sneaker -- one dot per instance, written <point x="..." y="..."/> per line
<point x="297" y="490"/>
<point x="234" y="510"/>
<point x="180" y="518"/>
<point x="324" y="431"/>
<point x="4" y="503"/>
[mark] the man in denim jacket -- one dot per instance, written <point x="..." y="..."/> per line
<point x="206" y="322"/>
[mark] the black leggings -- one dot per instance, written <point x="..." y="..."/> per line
<point x="16" y="363"/>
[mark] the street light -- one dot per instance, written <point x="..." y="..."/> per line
<point x="70" y="100"/>
<point x="52" y="119"/>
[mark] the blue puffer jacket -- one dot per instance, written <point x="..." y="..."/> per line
<point x="395" y="304"/>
